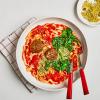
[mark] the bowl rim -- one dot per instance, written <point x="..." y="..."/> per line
<point x="23" y="72"/>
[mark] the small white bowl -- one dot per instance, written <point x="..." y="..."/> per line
<point x="79" y="10"/>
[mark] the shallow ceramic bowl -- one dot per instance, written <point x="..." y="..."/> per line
<point x="21" y="42"/>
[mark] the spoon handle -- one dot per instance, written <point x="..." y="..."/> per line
<point x="69" y="90"/>
<point x="84" y="83"/>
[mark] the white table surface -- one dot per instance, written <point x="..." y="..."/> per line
<point x="13" y="13"/>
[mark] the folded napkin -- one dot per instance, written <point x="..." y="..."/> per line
<point x="8" y="50"/>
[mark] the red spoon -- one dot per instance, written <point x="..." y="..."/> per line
<point x="83" y="79"/>
<point x="69" y="89"/>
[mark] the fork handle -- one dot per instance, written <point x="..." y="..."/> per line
<point x="69" y="89"/>
<point x="84" y="83"/>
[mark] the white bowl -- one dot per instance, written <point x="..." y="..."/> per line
<point x="21" y="42"/>
<point x="79" y="10"/>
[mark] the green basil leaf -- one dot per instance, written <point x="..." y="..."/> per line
<point x="56" y="65"/>
<point x="60" y="64"/>
<point x="47" y="65"/>
<point x="57" y="42"/>
<point x="69" y="46"/>
<point x="68" y="69"/>
<point x="64" y="64"/>
<point x="66" y="33"/>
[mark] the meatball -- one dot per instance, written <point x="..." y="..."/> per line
<point x="37" y="46"/>
<point x="51" y="54"/>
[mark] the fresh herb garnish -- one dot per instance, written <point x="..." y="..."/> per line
<point x="66" y="33"/>
<point x="60" y="64"/>
<point x="47" y="65"/>
<point x="68" y="69"/>
<point x="64" y="41"/>
<point x="57" y="42"/>
<point x="56" y="65"/>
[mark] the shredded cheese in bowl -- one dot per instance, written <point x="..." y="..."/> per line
<point x="91" y="10"/>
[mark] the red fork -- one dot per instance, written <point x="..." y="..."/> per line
<point x="84" y="83"/>
<point x="69" y="89"/>
<point x="83" y="79"/>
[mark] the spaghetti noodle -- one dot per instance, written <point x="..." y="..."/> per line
<point x="49" y="51"/>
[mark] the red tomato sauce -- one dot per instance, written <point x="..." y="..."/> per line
<point x="46" y="33"/>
